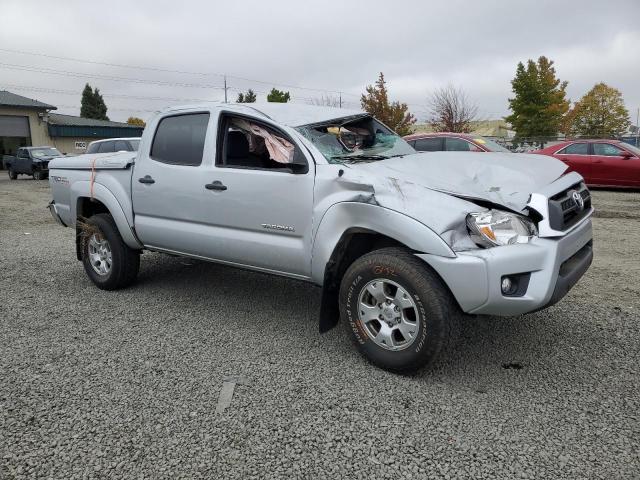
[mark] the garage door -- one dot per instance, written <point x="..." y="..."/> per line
<point x="12" y="126"/>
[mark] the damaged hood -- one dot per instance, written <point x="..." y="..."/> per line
<point x="505" y="179"/>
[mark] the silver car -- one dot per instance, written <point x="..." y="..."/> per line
<point x="401" y="243"/>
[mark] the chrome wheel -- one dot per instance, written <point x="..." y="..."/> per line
<point x="388" y="314"/>
<point x="100" y="254"/>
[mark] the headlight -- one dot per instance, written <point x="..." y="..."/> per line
<point x="493" y="228"/>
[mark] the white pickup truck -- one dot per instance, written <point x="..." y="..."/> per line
<point x="400" y="242"/>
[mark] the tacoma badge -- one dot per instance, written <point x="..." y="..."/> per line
<point x="273" y="226"/>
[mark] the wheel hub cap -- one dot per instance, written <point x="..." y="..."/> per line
<point x="388" y="314"/>
<point x="100" y="256"/>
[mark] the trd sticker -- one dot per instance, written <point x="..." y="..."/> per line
<point x="62" y="180"/>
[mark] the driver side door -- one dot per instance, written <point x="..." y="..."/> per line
<point x="22" y="161"/>
<point x="612" y="167"/>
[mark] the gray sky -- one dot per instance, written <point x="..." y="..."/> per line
<point x="337" y="46"/>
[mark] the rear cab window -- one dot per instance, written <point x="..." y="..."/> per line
<point x="575" y="149"/>
<point x="179" y="139"/>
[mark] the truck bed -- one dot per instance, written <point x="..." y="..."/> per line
<point x="73" y="177"/>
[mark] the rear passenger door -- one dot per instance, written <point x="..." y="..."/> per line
<point x="578" y="159"/>
<point x="168" y="187"/>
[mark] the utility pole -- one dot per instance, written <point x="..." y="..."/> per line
<point x="340" y="93"/>
<point x="637" y="125"/>
<point x="225" y="89"/>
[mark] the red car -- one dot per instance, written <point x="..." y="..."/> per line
<point x="602" y="163"/>
<point x="452" y="142"/>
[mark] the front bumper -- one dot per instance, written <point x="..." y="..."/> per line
<point x="555" y="266"/>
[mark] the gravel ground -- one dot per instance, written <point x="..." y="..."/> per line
<point x="125" y="384"/>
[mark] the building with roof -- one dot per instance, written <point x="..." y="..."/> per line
<point x="27" y="122"/>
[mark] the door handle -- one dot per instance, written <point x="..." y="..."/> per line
<point x="147" y="179"/>
<point x="217" y="185"/>
<point x="598" y="161"/>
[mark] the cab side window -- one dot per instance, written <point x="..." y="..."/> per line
<point x="460" y="145"/>
<point x="606" y="149"/>
<point x="179" y="139"/>
<point x="429" y="144"/>
<point x="105" y="147"/>
<point x="248" y="144"/>
<point x="575" y="149"/>
<point x="122" y="146"/>
<point x="93" y="148"/>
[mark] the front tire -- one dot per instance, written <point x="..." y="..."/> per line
<point x="39" y="175"/>
<point x="398" y="312"/>
<point x="107" y="260"/>
<point x="12" y="174"/>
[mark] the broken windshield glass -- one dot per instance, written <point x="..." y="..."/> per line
<point x="359" y="139"/>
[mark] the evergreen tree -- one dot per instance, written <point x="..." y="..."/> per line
<point x="278" y="96"/>
<point x="92" y="104"/>
<point x="249" y="97"/>
<point x="539" y="104"/>
<point x="394" y="115"/>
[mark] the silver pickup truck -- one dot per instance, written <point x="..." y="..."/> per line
<point x="401" y="243"/>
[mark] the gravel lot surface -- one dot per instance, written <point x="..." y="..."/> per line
<point x="125" y="384"/>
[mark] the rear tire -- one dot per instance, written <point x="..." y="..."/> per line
<point x="12" y="174"/>
<point x="107" y="260"/>
<point x="397" y="310"/>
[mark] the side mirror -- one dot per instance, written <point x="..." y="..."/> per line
<point x="626" y="155"/>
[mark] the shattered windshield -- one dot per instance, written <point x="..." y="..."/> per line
<point x="45" y="152"/>
<point x="359" y="139"/>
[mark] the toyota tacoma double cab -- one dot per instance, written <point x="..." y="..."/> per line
<point x="401" y="243"/>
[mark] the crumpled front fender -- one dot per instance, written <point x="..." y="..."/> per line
<point x="370" y="217"/>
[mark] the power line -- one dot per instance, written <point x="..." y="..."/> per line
<point x="76" y="107"/>
<point x="93" y="62"/>
<point x="105" y="94"/>
<point x="52" y="71"/>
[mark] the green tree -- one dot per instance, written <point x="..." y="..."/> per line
<point x="278" y="96"/>
<point x="394" y="115"/>
<point x="249" y="97"/>
<point x="599" y="113"/>
<point x="92" y="104"/>
<point x="539" y="104"/>
<point x="136" y="121"/>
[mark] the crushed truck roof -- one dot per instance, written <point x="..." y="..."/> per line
<point x="290" y="114"/>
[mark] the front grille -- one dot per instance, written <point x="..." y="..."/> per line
<point x="564" y="211"/>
